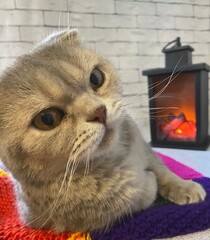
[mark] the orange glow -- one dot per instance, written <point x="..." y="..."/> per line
<point x="188" y="129"/>
<point x="174" y="108"/>
<point x="177" y="127"/>
<point x="179" y="131"/>
<point x="177" y="98"/>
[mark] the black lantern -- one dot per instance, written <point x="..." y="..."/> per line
<point x="178" y="100"/>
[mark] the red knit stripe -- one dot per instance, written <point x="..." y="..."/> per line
<point x="11" y="227"/>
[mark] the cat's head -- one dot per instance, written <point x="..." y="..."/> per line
<point x="60" y="101"/>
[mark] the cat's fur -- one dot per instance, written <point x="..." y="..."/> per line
<point x="111" y="171"/>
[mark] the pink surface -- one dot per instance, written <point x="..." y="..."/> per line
<point x="178" y="168"/>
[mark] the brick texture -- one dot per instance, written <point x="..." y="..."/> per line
<point x="42" y="5"/>
<point x="8" y="4"/>
<point x="58" y="19"/>
<point x="137" y="8"/>
<point x="14" y="49"/>
<point x="21" y="17"/>
<point x="115" y="21"/>
<point x="92" y="6"/>
<point x="9" y="34"/>
<point x="130" y="33"/>
<point x="174" y="9"/>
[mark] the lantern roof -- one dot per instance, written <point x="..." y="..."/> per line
<point x="176" y="47"/>
<point x="178" y="58"/>
<point x="188" y="68"/>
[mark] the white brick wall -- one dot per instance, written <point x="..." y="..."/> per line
<point x="156" y="22"/>
<point x="42" y="4"/>
<point x="192" y="23"/>
<point x="92" y="6"/>
<point x="117" y="48"/>
<point x="129" y="33"/>
<point x="174" y="9"/>
<point x="21" y="17"/>
<point x="51" y="18"/>
<point x="9" y="4"/>
<point x="114" y="21"/>
<point x="33" y="34"/>
<point x="9" y="34"/>
<point x="136" y="8"/>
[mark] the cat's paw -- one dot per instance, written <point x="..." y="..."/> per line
<point x="183" y="192"/>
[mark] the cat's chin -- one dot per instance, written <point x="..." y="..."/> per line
<point x="99" y="145"/>
<point x="108" y="137"/>
<point x="107" y="143"/>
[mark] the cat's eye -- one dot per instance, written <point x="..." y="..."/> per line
<point x="96" y="78"/>
<point x="48" y="119"/>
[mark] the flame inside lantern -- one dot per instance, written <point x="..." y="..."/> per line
<point x="178" y="128"/>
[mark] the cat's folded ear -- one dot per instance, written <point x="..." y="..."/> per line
<point x="68" y="36"/>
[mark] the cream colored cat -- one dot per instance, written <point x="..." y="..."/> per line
<point x="78" y="159"/>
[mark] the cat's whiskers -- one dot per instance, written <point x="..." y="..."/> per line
<point x="155" y="84"/>
<point x="159" y="116"/>
<point x="162" y="109"/>
<point x="139" y="102"/>
<point x="130" y="103"/>
<point x="156" y="114"/>
<point x="59" y="22"/>
<point x="176" y="72"/>
<point x="158" y="95"/>
<point x="117" y="108"/>
<point x="69" y="25"/>
<point x="87" y="164"/>
<point x="59" y="199"/>
<point x="73" y="170"/>
<point x="153" y="115"/>
<point x="55" y="202"/>
<point x="76" y="151"/>
<point x="73" y="160"/>
<point x="147" y="115"/>
<point x="91" y="161"/>
<point x="117" y="105"/>
<point x="64" y="187"/>
<point x="75" y="164"/>
<point x="172" y="78"/>
<point x="68" y="10"/>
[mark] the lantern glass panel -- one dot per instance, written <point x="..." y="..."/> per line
<point x="173" y="108"/>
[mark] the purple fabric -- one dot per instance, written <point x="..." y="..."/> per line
<point x="167" y="220"/>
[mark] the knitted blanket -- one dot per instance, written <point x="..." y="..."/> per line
<point x="162" y="220"/>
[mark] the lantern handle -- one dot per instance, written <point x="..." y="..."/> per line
<point x="177" y="44"/>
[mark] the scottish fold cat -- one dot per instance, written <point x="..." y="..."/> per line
<point x="78" y="160"/>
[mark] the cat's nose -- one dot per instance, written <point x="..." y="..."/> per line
<point x="99" y="115"/>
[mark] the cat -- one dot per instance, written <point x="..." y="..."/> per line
<point x="78" y="160"/>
